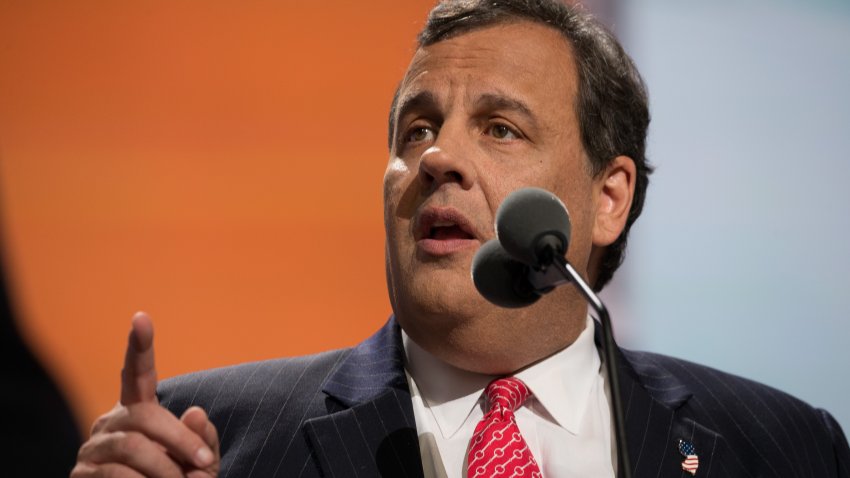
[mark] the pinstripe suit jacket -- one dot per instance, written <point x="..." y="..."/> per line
<point x="347" y="413"/>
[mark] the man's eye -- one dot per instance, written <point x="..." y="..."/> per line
<point x="419" y="134"/>
<point x="500" y="131"/>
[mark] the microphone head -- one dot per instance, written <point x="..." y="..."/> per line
<point x="500" y="278"/>
<point x="532" y="224"/>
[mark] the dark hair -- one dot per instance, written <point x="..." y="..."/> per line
<point x="612" y="107"/>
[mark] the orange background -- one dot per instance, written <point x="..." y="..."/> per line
<point x="215" y="163"/>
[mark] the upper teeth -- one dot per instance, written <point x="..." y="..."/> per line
<point x="442" y="224"/>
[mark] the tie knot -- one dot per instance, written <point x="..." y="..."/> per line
<point x="506" y="393"/>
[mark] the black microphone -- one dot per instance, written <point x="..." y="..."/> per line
<point x="527" y="261"/>
<point x="533" y="226"/>
<point x="507" y="282"/>
<point x="501" y="279"/>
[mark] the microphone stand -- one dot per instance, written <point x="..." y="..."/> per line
<point x="568" y="273"/>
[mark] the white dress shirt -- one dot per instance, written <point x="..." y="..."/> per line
<point x="566" y="422"/>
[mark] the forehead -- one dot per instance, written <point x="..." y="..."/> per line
<point x="522" y="59"/>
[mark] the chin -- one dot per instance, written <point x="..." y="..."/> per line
<point x="435" y="304"/>
<point x="452" y="304"/>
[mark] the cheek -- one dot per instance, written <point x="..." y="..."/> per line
<point x="393" y="180"/>
<point x="395" y="167"/>
<point x="400" y="193"/>
<point x="578" y="197"/>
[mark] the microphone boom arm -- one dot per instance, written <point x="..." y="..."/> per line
<point x="568" y="273"/>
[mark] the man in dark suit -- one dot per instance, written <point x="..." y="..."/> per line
<point x="499" y="95"/>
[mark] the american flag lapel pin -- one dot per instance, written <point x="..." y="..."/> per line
<point x="691" y="461"/>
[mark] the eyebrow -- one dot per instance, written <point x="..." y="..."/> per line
<point x="424" y="100"/>
<point x="498" y="102"/>
<point x="427" y="101"/>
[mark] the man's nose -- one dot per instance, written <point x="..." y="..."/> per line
<point x="442" y="164"/>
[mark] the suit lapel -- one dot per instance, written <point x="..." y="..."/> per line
<point x="370" y="430"/>
<point x="657" y="419"/>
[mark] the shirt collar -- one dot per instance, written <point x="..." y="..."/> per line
<point x="561" y="383"/>
<point x="449" y="392"/>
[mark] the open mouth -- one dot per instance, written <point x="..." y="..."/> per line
<point x="444" y="230"/>
<point x="447" y="231"/>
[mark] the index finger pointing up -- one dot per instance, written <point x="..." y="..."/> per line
<point x="138" y="378"/>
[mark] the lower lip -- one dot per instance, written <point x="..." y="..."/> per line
<point x="444" y="247"/>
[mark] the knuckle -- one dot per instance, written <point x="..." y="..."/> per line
<point x="110" y="472"/>
<point x="114" y="472"/>
<point x="142" y="410"/>
<point x="101" y="422"/>
<point x="88" y="449"/>
<point x="127" y="444"/>
<point x="110" y="419"/>
<point x="82" y="470"/>
<point x="130" y="417"/>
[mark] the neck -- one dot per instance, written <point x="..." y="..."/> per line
<point x="504" y="340"/>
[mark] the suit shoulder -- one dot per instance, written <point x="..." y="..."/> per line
<point x="247" y="384"/>
<point x="706" y="383"/>
<point x="764" y="430"/>
<point x="730" y="400"/>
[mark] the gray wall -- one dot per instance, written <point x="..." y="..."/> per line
<point x="741" y="257"/>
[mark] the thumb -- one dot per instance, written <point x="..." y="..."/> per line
<point x="196" y="419"/>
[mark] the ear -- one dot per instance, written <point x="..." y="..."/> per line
<point x="613" y="191"/>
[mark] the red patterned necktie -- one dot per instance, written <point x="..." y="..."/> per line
<point x="497" y="448"/>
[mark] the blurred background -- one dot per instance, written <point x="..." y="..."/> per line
<point x="218" y="165"/>
<point x="740" y="260"/>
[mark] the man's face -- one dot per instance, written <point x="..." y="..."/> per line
<point x="479" y="116"/>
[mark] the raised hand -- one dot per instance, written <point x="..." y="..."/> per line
<point x="141" y="438"/>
